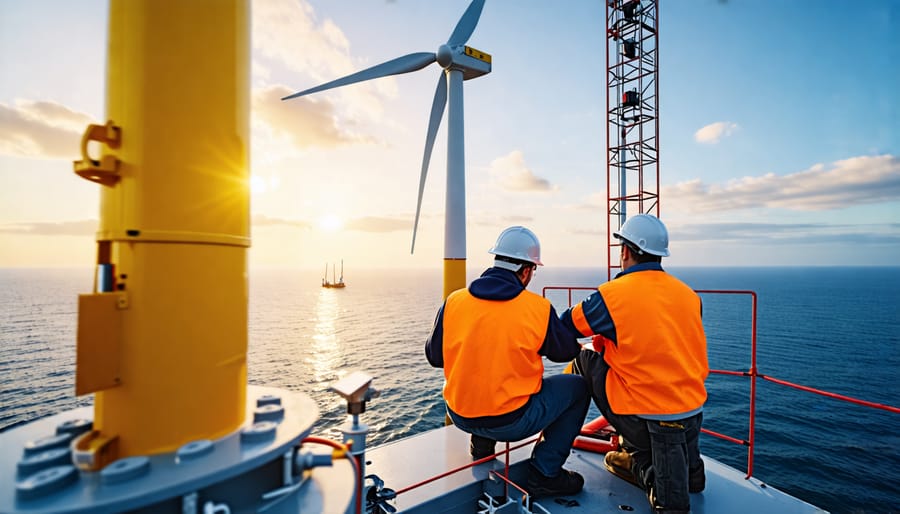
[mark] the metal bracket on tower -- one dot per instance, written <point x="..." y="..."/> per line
<point x="106" y="170"/>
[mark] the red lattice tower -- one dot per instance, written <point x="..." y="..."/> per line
<point x="632" y="106"/>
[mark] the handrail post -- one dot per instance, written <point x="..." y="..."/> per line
<point x="753" y="375"/>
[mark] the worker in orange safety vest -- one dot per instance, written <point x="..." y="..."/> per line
<point x="490" y="339"/>
<point x="647" y="369"/>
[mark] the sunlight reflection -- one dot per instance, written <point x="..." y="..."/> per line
<point x="325" y="357"/>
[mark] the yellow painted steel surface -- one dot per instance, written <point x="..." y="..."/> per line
<point x="175" y="223"/>
<point x="454" y="275"/>
<point x="478" y="54"/>
<point x="97" y="355"/>
<point x="454" y="278"/>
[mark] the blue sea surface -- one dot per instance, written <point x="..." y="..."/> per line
<point x="830" y="328"/>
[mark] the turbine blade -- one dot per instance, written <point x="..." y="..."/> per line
<point x="466" y="25"/>
<point x="437" y="112"/>
<point x="405" y="64"/>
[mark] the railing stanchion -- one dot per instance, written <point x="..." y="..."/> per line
<point x="753" y="374"/>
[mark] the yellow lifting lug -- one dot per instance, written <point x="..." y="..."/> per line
<point x="106" y="170"/>
<point x="92" y="451"/>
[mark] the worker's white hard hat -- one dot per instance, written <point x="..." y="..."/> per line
<point x="647" y="233"/>
<point x="517" y="243"/>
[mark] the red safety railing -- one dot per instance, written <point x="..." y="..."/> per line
<point x="753" y="373"/>
<point x="568" y="290"/>
<point x="464" y="467"/>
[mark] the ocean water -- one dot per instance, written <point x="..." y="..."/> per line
<point x="836" y="329"/>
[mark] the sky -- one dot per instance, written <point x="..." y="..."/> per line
<point x="779" y="132"/>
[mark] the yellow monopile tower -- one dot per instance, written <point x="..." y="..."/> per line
<point x="162" y="340"/>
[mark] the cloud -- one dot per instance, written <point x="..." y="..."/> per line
<point x="588" y="231"/>
<point x="521" y="220"/>
<point x="713" y="132"/>
<point x="845" y="183"/>
<point x="788" y="234"/>
<point x="593" y="203"/>
<point x="89" y="227"/>
<point x="41" y="129"/>
<point x="289" y="32"/>
<point x="307" y="122"/>
<point x="63" y="228"/>
<point x="375" y="224"/>
<point x="364" y="224"/>
<point x="261" y="220"/>
<point x="512" y="174"/>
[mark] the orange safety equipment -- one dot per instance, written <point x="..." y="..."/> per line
<point x="597" y="436"/>
<point x="491" y="359"/>
<point x="659" y="363"/>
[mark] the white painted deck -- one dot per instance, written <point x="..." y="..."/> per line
<point x="414" y="459"/>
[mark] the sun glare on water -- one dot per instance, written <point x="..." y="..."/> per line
<point x="330" y="223"/>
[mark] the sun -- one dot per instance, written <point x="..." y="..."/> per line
<point x="259" y="184"/>
<point x="330" y="223"/>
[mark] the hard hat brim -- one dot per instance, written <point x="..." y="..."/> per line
<point x="511" y="266"/>
<point x="665" y="252"/>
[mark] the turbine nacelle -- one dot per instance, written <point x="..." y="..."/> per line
<point x="472" y="62"/>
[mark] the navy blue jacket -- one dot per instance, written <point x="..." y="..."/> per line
<point x="560" y="344"/>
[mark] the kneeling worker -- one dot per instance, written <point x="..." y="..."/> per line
<point x="490" y="339"/>
<point x="647" y="373"/>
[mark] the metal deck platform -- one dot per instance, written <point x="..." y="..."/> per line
<point x="413" y="460"/>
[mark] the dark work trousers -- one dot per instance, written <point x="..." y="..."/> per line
<point x="558" y="409"/>
<point x="664" y="453"/>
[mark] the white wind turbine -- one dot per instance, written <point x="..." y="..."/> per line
<point x="459" y="63"/>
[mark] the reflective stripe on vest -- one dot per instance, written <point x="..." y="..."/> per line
<point x="490" y="352"/>
<point x="659" y="362"/>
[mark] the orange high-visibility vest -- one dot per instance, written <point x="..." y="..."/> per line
<point x="659" y="362"/>
<point x="491" y="359"/>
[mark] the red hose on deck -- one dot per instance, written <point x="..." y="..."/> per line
<point x="346" y="449"/>
<point x="588" y="439"/>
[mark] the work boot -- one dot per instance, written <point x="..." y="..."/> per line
<point x="564" y="484"/>
<point x="620" y="464"/>
<point x="481" y="447"/>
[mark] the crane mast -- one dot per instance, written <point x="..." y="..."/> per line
<point x="632" y="106"/>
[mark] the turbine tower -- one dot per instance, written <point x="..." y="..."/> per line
<point x="458" y="62"/>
